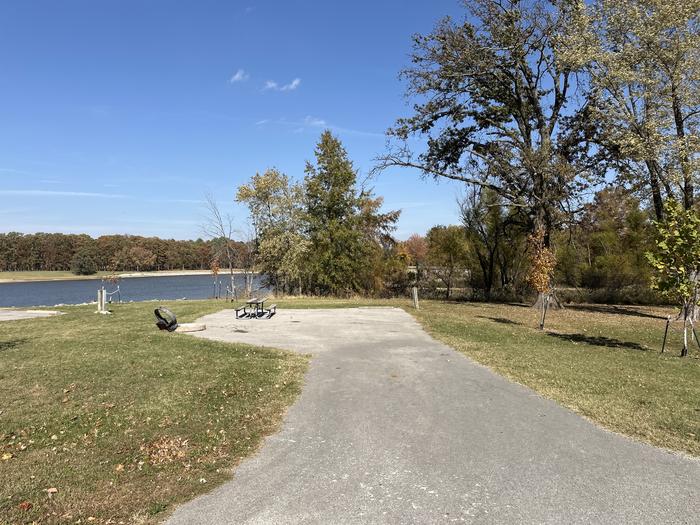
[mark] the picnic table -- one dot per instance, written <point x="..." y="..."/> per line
<point x="257" y="309"/>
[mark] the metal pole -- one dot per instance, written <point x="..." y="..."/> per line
<point x="545" y="305"/>
<point x="695" y="334"/>
<point x="414" y="295"/>
<point x="668" y="322"/>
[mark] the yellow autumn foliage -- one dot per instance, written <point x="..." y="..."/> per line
<point x="542" y="263"/>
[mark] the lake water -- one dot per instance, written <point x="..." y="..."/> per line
<point x="50" y="293"/>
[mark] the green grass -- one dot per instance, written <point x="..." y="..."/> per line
<point x="602" y="362"/>
<point x="126" y="421"/>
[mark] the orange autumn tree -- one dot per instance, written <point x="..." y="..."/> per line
<point x="542" y="264"/>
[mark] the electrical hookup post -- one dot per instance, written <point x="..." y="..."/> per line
<point x="102" y="301"/>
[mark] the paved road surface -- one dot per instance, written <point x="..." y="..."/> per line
<point x="394" y="427"/>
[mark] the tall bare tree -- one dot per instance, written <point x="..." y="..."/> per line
<point x="219" y="228"/>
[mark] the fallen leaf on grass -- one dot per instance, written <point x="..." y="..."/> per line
<point x="119" y="467"/>
<point x="166" y="450"/>
<point x="7" y="455"/>
<point x="25" y="505"/>
<point x="52" y="491"/>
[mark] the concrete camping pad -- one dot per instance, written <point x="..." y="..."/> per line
<point x="16" y="315"/>
<point x="395" y="427"/>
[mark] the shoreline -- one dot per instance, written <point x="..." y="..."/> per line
<point x="126" y="275"/>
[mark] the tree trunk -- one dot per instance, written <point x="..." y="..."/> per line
<point x="688" y="187"/>
<point x="653" y="169"/>
<point x="684" y="352"/>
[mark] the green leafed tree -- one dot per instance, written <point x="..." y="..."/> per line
<point x="606" y="248"/>
<point x="83" y="263"/>
<point x="278" y="217"/>
<point x="641" y="61"/>
<point x="676" y="261"/>
<point x="347" y="232"/>
<point x="323" y="236"/>
<point x="448" y="255"/>
<point x="496" y="240"/>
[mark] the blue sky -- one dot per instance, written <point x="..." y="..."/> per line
<point x="119" y="116"/>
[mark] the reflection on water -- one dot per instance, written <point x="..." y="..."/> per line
<point x="51" y="293"/>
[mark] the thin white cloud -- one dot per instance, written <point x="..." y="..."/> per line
<point x="315" y="122"/>
<point x="289" y="87"/>
<point x="274" y="86"/>
<point x="311" y="123"/>
<point x="12" y="170"/>
<point x="50" y="193"/>
<point x="239" y="76"/>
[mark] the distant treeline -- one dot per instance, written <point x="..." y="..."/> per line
<point x="58" y="251"/>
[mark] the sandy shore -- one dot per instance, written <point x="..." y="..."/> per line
<point x="165" y="273"/>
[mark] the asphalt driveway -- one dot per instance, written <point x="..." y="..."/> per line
<point x="395" y="427"/>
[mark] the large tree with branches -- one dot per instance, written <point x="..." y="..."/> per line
<point x="641" y="61"/>
<point x="492" y="105"/>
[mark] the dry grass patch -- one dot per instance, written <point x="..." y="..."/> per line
<point x="601" y="361"/>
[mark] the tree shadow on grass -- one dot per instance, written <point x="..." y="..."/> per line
<point x="500" y="320"/>
<point x="599" y="340"/>
<point x="12" y="343"/>
<point x="611" y="309"/>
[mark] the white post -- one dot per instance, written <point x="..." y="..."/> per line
<point x="414" y="295"/>
<point x="102" y="301"/>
